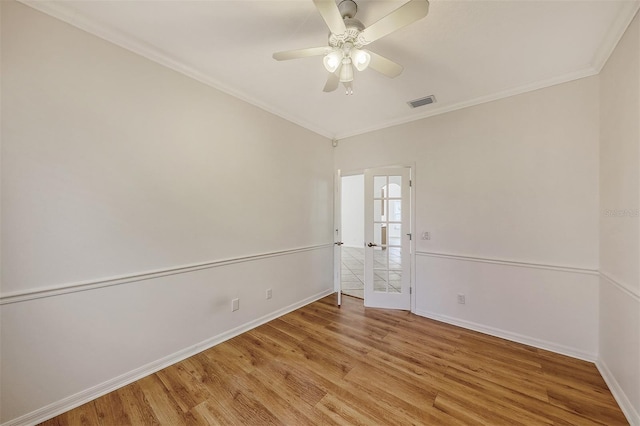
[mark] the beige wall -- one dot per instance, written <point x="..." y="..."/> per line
<point x="512" y="179"/>
<point x="110" y="159"/>
<point x="514" y="185"/>
<point x="114" y="167"/>
<point x="548" y="178"/>
<point x="620" y="222"/>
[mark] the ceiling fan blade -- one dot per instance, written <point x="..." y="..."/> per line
<point x="332" y="81"/>
<point x="301" y="53"/>
<point x="401" y="17"/>
<point x="331" y="15"/>
<point x="384" y="66"/>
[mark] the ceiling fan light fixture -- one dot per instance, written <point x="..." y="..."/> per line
<point x="347" y="36"/>
<point x="346" y="72"/>
<point x="332" y="60"/>
<point x="360" y="58"/>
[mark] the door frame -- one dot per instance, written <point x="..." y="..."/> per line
<point x="337" y="235"/>
<point x="339" y="174"/>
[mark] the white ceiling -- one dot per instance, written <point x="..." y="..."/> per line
<point x="463" y="52"/>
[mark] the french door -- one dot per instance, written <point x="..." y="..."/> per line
<point x="387" y="275"/>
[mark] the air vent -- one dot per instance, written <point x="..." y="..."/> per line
<point x="422" y="101"/>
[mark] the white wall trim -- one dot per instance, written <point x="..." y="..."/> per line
<point x="633" y="417"/>
<point x="510" y="262"/>
<point x="615" y="34"/>
<point x="437" y="110"/>
<point x="508" y="335"/>
<point x="635" y="294"/>
<point x="59" y="11"/>
<point x="39" y="293"/>
<point x="97" y="391"/>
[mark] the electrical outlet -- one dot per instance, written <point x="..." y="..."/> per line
<point x="235" y="305"/>
<point x="461" y="299"/>
<point x="269" y="293"/>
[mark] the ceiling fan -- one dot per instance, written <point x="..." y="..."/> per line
<point x="348" y="36"/>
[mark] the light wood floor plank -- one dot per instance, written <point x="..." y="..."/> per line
<point x="112" y="408"/>
<point x="136" y="406"/>
<point x="324" y="365"/>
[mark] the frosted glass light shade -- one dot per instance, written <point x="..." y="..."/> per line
<point x="332" y="60"/>
<point x="360" y="59"/>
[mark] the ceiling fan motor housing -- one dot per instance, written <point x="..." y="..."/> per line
<point x="348" y="8"/>
<point x="351" y="35"/>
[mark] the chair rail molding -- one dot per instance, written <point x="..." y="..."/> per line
<point x="39" y="293"/>
<point x="561" y="268"/>
<point x="635" y="294"/>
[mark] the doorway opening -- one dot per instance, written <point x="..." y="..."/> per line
<point x="387" y="230"/>
<point x="374" y="237"/>
<point x="352" y="219"/>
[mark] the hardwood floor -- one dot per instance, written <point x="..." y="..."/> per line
<point x="324" y="365"/>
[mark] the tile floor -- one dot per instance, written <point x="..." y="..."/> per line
<point x="353" y="271"/>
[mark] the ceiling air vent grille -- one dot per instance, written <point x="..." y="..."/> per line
<point x="422" y="101"/>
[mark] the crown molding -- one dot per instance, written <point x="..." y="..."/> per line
<point x="587" y="72"/>
<point x="615" y="34"/>
<point x="63" y="13"/>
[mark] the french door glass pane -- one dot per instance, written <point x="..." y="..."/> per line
<point x="394" y="231"/>
<point x="395" y="210"/>
<point x="395" y="187"/>
<point x="379" y="210"/>
<point x="395" y="258"/>
<point x="379" y="186"/>
<point x="380" y="281"/>
<point x="380" y="258"/>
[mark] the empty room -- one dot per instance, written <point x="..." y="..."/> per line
<point x="320" y="212"/>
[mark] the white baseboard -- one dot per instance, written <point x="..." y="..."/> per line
<point x="633" y="417"/>
<point x="508" y="335"/>
<point x="90" y="394"/>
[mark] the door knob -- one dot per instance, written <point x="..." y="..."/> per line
<point x="339" y="243"/>
<point x="372" y="245"/>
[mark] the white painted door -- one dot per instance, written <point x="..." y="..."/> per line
<point x="387" y="238"/>
<point x="337" y="236"/>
